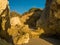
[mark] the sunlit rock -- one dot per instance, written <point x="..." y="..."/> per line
<point x="4" y="19"/>
<point x="3" y="2"/>
<point x="22" y="40"/>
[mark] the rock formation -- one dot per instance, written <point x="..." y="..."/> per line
<point x="5" y="3"/>
<point x="25" y="17"/>
<point x="50" y="18"/>
<point x="9" y="24"/>
<point x="34" y="17"/>
<point x="4" y="19"/>
<point x="16" y="31"/>
<point x="31" y="17"/>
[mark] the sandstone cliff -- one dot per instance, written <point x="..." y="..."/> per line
<point x="50" y="18"/>
<point x="4" y="19"/>
<point x="31" y="17"/>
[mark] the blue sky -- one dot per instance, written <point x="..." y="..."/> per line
<point x="22" y="6"/>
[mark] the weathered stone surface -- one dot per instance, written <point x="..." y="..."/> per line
<point x="21" y="28"/>
<point x="25" y="17"/>
<point x="19" y="35"/>
<point x="21" y="40"/>
<point x="5" y="3"/>
<point x="4" y="19"/>
<point x="50" y="19"/>
<point x="31" y="17"/>
<point x="15" y="21"/>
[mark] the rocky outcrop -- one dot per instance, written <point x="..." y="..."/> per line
<point x="34" y="17"/>
<point x="25" y="17"/>
<point x="4" y="19"/>
<point x="19" y="37"/>
<point x="16" y="31"/>
<point x="29" y="20"/>
<point x="15" y="20"/>
<point x="50" y="18"/>
<point x="31" y="17"/>
<point x="5" y="3"/>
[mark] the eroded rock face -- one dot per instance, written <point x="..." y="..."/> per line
<point x="26" y="17"/>
<point x="19" y="35"/>
<point x="15" y="21"/>
<point x="4" y="19"/>
<point x="21" y="40"/>
<point x="5" y="3"/>
<point x="31" y="17"/>
<point x="50" y="19"/>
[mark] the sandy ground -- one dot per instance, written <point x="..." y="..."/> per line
<point x="44" y="41"/>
